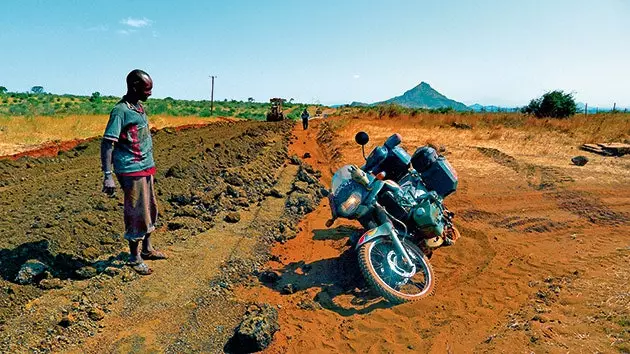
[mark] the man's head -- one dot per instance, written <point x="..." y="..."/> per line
<point x="139" y="84"/>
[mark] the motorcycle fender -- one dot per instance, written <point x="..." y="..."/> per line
<point x="371" y="235"/>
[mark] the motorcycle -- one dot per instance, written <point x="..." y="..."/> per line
<point x="398" y="199"/>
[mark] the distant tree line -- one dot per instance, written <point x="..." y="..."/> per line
<point x="37" y="102"/>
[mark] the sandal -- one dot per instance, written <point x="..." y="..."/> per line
<point x="153" y="255"/>
<point x="141" y="268"/>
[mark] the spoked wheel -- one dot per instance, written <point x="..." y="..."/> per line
<point x="396" y="282"/>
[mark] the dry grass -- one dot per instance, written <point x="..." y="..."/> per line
<point x="603" y="127"/>
<point x="542" y="142"/>
<point x="19" y="134"/>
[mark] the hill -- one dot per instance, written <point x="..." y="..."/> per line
<point x="424" y="96"/>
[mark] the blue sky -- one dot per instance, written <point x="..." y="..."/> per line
<point x="487" y="51"/>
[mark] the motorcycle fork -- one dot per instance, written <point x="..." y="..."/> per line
<point x="381" y="216"/>
<point x="400" y="249"/>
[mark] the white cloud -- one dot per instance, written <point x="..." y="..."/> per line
<point x="356" y="76"/>
<point x="136" y="22"/>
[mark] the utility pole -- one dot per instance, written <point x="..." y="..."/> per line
<point x="212" y="95"/>
<point x="586" y="109"/>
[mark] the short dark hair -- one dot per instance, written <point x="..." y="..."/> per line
<point x="135" y="77"/>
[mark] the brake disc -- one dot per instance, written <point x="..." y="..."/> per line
<point x="392" y="261"/>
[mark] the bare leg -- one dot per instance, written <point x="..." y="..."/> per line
<point x="136" y="261"/>
<point x="146" y="244"/>
<point x="134" y="251"/>
<point x="149" y="252"/>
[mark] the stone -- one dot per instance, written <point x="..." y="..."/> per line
<point x="303" y="202"/>
<point x="300" y="186"/>
<point x="91" y="253"/>
<point x="233" y="191"/>
<point x="234" y="180"/>
<point x="49" y="284"/>
<point x="305" y="176"/>
<point x="96" y="314"/>
<point x="86" y="272"/>
<point x="276" y="193"/>
<point x="112" y="271"/>
<point x="256" y="331"/>
<point x="458" y="125"/>
<point x="175" y="225"/>
<point x="233" y="217"/>
<point x="309" y="305"/>
<point x="31" y="272"/>
<point x="579" y="160"/>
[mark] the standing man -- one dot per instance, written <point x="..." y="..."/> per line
<point x="127" y="144"/>
<point x="305" y="117"/>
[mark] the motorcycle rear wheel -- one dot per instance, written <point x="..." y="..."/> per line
<point x="396" y="289"/>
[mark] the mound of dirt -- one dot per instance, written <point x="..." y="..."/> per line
<point x="52" y="209"/>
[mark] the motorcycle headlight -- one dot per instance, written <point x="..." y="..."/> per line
<point x="350" y="205"/>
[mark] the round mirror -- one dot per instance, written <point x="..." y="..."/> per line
<point x="362" y="138"/>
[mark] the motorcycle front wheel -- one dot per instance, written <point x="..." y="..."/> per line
<point x="379" y="264"/>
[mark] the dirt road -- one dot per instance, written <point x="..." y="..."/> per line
<point x="543" y="265"/>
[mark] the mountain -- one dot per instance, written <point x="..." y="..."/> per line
<point x="359" y="104"/>
<point x="481" y="108"/>
<point x="424" y="96"/>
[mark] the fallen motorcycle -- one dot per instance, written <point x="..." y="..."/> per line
<point x="398" y="199"/>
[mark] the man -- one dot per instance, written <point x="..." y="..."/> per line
<point x="305" y="117"/>
<point x="127" y="144"/>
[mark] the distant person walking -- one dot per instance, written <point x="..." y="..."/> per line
<point x="305" y="117"/>
<point x="127" y="144"/>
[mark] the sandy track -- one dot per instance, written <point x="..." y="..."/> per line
<point x="543" y="264"/>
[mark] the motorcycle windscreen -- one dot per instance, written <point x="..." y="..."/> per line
<point x="346" y="194"/>
<point x="342" y="175"/>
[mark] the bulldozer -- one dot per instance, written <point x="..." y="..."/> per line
<point x="275" y="111"/>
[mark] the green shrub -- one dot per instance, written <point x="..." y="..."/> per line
<point x="19" y="109"/>
<point x="554" y="104"/>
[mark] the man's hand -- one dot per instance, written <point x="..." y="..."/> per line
<point x="109" y="187"/>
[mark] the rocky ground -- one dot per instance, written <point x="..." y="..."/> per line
<point x="225" y="193"/>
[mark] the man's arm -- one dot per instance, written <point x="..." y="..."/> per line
<point x="107" y="150"/>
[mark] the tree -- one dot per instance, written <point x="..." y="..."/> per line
<point x="96" y="97"/>
<point x="3" y="90"/>
<point x="250" y="100"/>
<point x="37" y="89"/>
<point x="554" y="104"/>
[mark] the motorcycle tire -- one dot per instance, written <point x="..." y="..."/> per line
<point x="371" y="274"/>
